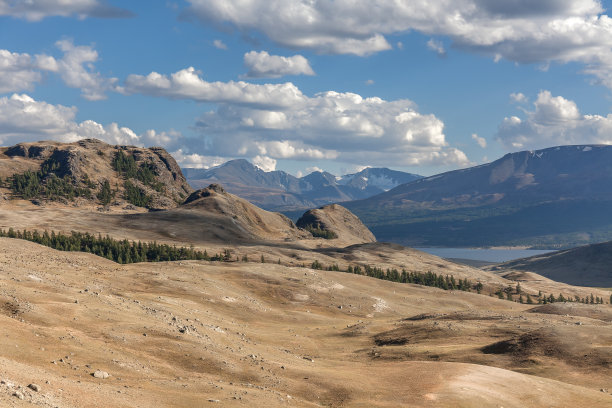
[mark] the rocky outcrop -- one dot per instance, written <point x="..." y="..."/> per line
<point x="239" y="215"/>
<point x="88" y="164"/>
<point x="336" y="222"/>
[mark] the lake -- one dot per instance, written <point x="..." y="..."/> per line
<point x="480" y="254"/>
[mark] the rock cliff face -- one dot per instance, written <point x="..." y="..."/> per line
<point x="336" y="222"/>
<point x="80" y="171"/>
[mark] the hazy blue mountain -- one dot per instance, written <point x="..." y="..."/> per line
<point x="280" y="191"/>
<point x="377" y="178"/>
<point x="560" y="196"/>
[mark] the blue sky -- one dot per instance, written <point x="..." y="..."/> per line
<point x="298" y="85"/>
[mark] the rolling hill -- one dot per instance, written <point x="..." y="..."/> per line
<point x="558" y="196"/>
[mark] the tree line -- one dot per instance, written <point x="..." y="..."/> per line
<point x="124" y="252"/>
<point x="120" y="251"/>
<point x="511" y="293"/>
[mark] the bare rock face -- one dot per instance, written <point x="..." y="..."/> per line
<point x="336" y="222"/>
<point x="88" y="164"/>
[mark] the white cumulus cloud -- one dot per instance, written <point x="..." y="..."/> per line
<point x="220" y="45"/>
<point x="265" y="163"/>
<point x="436" y="46"/>
<point x="23" y="118"/>
<point x="197" y="161"/>
<point x="20" y="72"/>
<point x="280" y="122"/>
<point x="187" y="84"/>
<point x="76" y="70"/>
<point x="518" y="97"/>
<point x="482" y="142"/>
<point x="523" y="31"/>
<point x="263" y="65"/>
<point x="36" y="10"/>
<point x="553" y="121"/>
<point x="332" y="125"/>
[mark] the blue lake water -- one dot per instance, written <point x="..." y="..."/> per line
<point x="487" y="255"/>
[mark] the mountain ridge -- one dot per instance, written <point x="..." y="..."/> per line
<point x="539" y="191"/>
<point x="280" y="191"/>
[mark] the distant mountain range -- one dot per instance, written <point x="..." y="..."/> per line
<point x="555" y="197"/>
<point x="280" y="191"/>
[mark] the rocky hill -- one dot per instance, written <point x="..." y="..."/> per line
<point x="243" y="218"/>
<point x="92" y="172"/>
<point x="555" y="196"/>
<point x="336" y="222"/>
<point x="280" y="191"/>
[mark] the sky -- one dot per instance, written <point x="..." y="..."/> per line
<point x="423" y="86"/>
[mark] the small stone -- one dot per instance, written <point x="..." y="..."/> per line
<point x="34" y="387"/>
<point x="18" y="394"/>
<point x="101" y="374"/>
<point x="213" y="400"/>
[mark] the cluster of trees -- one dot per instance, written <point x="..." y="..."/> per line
<point x="446" y="282"/>
<point x="319" y="232"/>
<point x="134" y="195"/>
<point x="120" y="251"/>
<point x="106" y="194"/>
<point x="126" y="165"/>
<point x="509" y="293"/>
<point x="48" y="184"/>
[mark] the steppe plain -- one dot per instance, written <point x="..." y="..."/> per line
<point x="197" y="333"/>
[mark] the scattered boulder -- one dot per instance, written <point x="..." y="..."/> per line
<point x="34" y="387"/>
<point x="101" y="374"/>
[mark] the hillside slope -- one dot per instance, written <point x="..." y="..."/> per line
<point x="588" y="265"/>
<point x="555" y="196"/>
